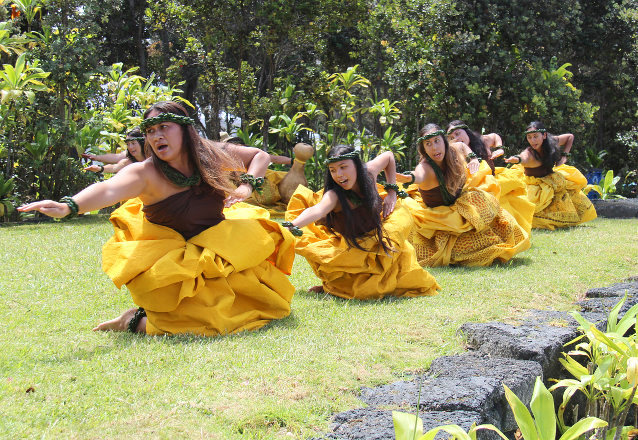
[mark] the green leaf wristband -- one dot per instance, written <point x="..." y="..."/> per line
<point x="294" y="230"/>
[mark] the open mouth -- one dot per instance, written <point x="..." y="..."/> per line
<point x="161" y="148"/>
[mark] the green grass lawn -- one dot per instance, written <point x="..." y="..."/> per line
<point x="58" y="379"/>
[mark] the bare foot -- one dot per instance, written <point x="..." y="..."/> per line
<point x="120" y="324"/>
<point x="316" y="289"/>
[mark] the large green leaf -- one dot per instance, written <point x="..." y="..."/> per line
<point x="406" y="426"/>
<point x="521" y="415"/>
<point x="542" y="405"/>
<point x="582" y="427"/>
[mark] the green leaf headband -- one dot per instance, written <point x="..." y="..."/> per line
<point x="456" y="127"/>
<point x="136" y="138"/>
<point x="430" y="136"/>
<point x="352" y="155"/>
<point x="162" y="117"/>
<point x="538" y="130"/>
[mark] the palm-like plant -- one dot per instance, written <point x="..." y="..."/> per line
<point x="21" y="80"/>
<point x="6" y="187"/>
<point x="11" y="43"/>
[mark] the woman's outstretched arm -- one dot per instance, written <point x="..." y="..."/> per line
<point x="124" y="185"/>
<point x="327" y="203"/>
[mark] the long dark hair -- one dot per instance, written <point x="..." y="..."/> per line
<point x="208" y="157"/>
<point x="550" y="152"/>
<point x="476" y="141"/>
<point x="135" y="133"/>
<point x="370" y="200"/>
<point x="453" y="163"/>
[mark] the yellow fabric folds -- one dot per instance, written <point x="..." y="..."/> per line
<point x="511" y="194"/>
<point x="558" y="198"/>
<point x="229" y="278"/>
<point x="474" y="231"/>
<point x="355" y="274"/>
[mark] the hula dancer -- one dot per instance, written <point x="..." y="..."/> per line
<point x="190" y="267"/>
<point x="355" y="241"/>
<point x="554" y="188"/>
<point x="510" y="191"/>
<point x="134" y="153"/>
<point x="453" y="224"/>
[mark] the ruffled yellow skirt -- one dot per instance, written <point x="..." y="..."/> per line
<point x="558" y="198"/>
<point x="270" y="198"/>
<point x="506" y="185"/>
<point x="352" y="273"/>
<point x="229" y="278"/>
<point x="474" y="231"/>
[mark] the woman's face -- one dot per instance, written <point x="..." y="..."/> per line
<point x="165" y="138"/>
<point x="344" y="173"/>
<point x="134" y="148"/>
<point x="459" y="135"/>
<point x="536" y="140"/>
<point x="435" y="148"/>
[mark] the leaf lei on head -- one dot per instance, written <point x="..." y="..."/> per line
<point x="352" y="155"/>
<point x="139" y="139"/>
<point x="162" y="117"/>
<point x="538" y="130"/>
<point x="178" y="178"/>
<point x="448" y="198"/>
<point x="425" y="137"/>
<point x="456" y="127"/>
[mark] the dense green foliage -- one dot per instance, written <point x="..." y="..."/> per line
<point x="264" y="67"/>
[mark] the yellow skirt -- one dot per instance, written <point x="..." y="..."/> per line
<point x="270" y="198"/>
<point x="474" y="231"/>
<point x="506" y="185"/>
<point x="558" y="198"/>
<point x="352" y="273"/>
<point x="229" y="278"/>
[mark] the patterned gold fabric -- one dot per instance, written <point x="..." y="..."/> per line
<point x="229" y="278"/>
<point x="356" y="274"/>
<point x="474" y="231"/>
<point x="558" y="198"/>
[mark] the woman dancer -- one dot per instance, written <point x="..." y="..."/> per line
<point x="189" y="267"/>
<point x="453" y="224"/>
<point x="555" y="191"/>
<point x="488" y="146"/>
<point x="512" y="192"/>
<point x="134" y="153"/>
<point x="359" y="249"/>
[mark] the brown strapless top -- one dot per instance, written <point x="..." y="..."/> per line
<point x="364" y="223"/>
<point x="189" y="212"/>
<point x="538" y="171"/>
<point x="432" y="197"/>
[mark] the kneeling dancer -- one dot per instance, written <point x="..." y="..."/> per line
<point x="189" y="267"/>
<point x="359" y="246"/>
<point x="454" y="223"/>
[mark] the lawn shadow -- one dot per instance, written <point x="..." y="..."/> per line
<point x="514" y="262"/>
<point x="324" y="296"/>
<point x="35" y="221"/>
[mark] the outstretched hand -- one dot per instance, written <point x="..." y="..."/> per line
<point x="47" y="207"/>
<point x="93" y="168"/>
<point x="89" y="156"/>
<point x="512" y="159"/>
<point x="473" y="166"/>
<point x="239" y="195"/>
<point x="389" y="203"/>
